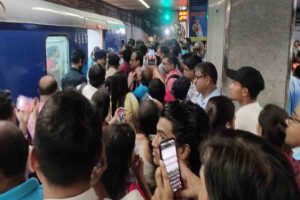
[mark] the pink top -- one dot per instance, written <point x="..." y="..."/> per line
<point x="125" y="68"/>
<point x="169" y="81"/>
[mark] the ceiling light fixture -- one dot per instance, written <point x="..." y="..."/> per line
<point x="144" y="3"/>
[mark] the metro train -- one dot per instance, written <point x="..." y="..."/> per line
<point x="37" y="38"/>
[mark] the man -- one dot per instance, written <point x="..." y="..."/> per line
<point x="162" y="51"/>
<point x="246" y="86"/>
<point x="74" y="77"/>
<point x="205" y="80"/>
<point x="67" y="147"/>
<point x="96" y="79"/>
<point x="47" y="87"/>
<point x="113" y="64"/>
<point x="136" y="63"/>
<point x="170" y="64"/>
<point x="125" y="66"/>
<point x="100" y="57"/>
<point x="14" y="154"/>
<point x="199" y="50"/>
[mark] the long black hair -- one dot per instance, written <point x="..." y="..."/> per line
<point x="119" y="140"/>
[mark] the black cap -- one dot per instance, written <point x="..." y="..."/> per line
<point x="100" y="54"/>
<point x="249" y="78"/>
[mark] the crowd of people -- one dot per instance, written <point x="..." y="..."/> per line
<point x="99" y="135"/>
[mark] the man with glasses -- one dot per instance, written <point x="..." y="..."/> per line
<point x="205" y="80"/>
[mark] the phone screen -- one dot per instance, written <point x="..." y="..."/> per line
<point x="121" y="114"/>
<point x="169" y="157"/>
<point x="151" y="57"/>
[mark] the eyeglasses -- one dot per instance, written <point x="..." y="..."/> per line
<point x="198" y="77"/>
<point x="292" y="120"/>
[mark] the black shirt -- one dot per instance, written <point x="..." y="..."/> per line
<point x="73" y="78"/>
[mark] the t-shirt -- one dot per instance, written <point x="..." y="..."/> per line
<point x="87" y="195"/>
<point x="88" y="91"/>
<point x="294" y="94"/>
<point x="29" y="190"/>
<point x="192" y="94"/>
<point x="246" y="118"/>
<point x="169" y="82"/>
<point x="125" y="68"/>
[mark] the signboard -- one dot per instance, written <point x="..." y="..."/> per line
<point x="198" y="19"/>
<point x="182" y="15"/>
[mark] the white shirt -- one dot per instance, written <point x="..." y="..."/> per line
<point x="87" y="195"/>
<point x="88" y="91"/>
<point x="246" y="118"/>
<point x="192" y="94"/>
<point x="203" y="102"/>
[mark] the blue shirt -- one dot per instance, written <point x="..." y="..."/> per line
<point x="294" y="94"/>
<point x="140" y="91"/>
<point x="73" y="78"/>
<point x="29" y="190"/>
<point x="203" y="102"/>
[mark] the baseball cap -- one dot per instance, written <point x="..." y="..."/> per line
<point x="99" y="54"/>
<point x="249" y="78"/>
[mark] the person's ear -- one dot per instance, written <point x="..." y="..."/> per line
<point x="245" y="92"/>
<point x="33" y="161"/>
<point x="184" y="152"/>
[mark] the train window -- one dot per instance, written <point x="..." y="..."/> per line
<point x="57" y="56"/>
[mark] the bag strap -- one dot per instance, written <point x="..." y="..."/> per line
<point x="172" y="76"/>
<point x="82" y="85"/>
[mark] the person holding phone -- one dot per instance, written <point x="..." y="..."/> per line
<point x="187" y="123"/>
<point x="236" y="165"/>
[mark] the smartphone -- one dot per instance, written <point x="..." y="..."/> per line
<point x="169" y="157"/>
<point x="25" y="103"/>
<point x="121" y="114"/>
<point x="147" y="97"/>
<point x="151" y="58"/>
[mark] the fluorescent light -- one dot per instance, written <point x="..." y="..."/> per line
<point x="57" y="12"/>
<point x="144" y="3"/>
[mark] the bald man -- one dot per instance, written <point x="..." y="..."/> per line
<point x="47" y="87"/>
<point x="13" y="160"/>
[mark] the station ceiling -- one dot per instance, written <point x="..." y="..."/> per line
<point x="137" y="5"/>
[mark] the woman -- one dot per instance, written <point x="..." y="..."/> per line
<point x="118" y="180"/>
<point x="236" y="165"/>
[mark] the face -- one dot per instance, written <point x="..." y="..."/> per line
<point x="202" y="195"/>
<point x="102" y="61"/>
<point x="236" y="91"/>
<point x="164" y="131"/>
<point x="293" y="129"/>
<point x="159" y="53"/>
<point x="166" y="65"/>
<point x="134" y="63"/>
<point x="188" y="73"/>
<point x="201" y="82"/>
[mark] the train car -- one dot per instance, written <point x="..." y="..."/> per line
<point x="37" y="38"/>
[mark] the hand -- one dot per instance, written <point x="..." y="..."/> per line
<point x="191" y="182"/>
<point x="138" y="166"/>
<point x="163" y="189"/>
<point x="22" y="116"/>
<point x="115" y="118"/>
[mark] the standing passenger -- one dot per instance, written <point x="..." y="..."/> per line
<point x="74" y="77"/>
<point x="247" y="84"/>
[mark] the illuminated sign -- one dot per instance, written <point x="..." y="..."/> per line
<point x="182" y="16"/>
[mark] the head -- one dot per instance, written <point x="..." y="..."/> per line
<point x="199" y="49"/>
<point x="148" y="116"/>
<point x="220" y="111"/>
<point x="127" y="54"/>
<point x="206" y="77"/>
<point x="93" y="52"/>
<point x="169" y="63"/>
<point x="97" y="75"/>
<point x="157" y="90"/>
<point x="7" y="107"/>
<point x="47" y="85"/>
<point x="118" y="90"/>
<point x="100" y="57"/>
<point x="189" y="63"/>
<point x="13" y="153"/>
<point x="272" y="125"/>
<point x="188" y="124"/>
<point x="101" y="98"/>
<point x="136" y="60"/>
<point x="119" y="140"/>
<point x="292" y="131"/>
<point x="113" y="60"/>
<point x="239" y="165"/>
<point x="180" y="88"/>
<point x="196" y="26"/>
<point x="77" y="58"/>
<point x="143" y="49"/>
<point x="162" y="51"/>
<point x="68" y="133"/>
<point x="247" y="83"/>
<point x="145" y="77"/>
<point x="296" y="43"/>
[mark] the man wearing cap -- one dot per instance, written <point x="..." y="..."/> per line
<point x="247" y="84"/>
<point x="100" y="57"/>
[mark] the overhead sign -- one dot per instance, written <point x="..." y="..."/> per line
<point x="182" y="15"/>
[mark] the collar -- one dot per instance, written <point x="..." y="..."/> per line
<point x="87" y="195"/>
